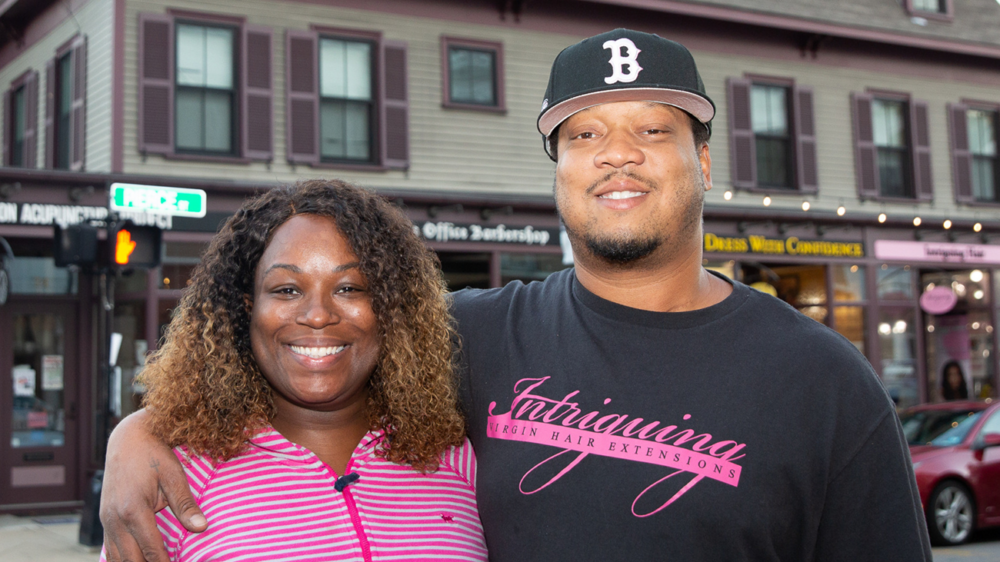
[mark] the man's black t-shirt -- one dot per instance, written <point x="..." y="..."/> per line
<point x="743" y="431"/>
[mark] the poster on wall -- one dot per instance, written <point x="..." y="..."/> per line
<point x="24" y="380"/>
<point x="953" y="367"/>
<point x="52" y="372"/>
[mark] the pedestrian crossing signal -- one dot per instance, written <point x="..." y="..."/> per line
<point x="135" y="247"/>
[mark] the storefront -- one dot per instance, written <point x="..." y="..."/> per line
<point x="917" y="308"/>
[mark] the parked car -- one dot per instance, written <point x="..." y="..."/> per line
<point x="955" y="448"/>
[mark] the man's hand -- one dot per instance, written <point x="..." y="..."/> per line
<point x="141" y="477"/>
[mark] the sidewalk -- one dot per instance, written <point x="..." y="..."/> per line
<point x="49" y="538"/>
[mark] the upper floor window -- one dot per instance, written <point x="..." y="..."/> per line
<point x="65" y="106"/>
<point x="20" y="119"/>
<point x="346" y="100"/>
<point x="64" y="109"/>
<point x="889" y="126"/>
<point x="769" y="115"/>
<point x="205" y="87"/>
<point x="983" y="149"/>
<point x="773" y="141"/>
<point x="892" y="146"/>
<point x="931" y="9"/>
<point x="939" y="6"/>
<point x="205" y="94"/>
<point x="473" y="74"/>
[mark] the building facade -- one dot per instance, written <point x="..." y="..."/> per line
<point x="854" y="175"/>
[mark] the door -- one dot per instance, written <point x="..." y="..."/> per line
<point x="38" y="451"/>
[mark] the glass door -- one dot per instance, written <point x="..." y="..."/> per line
<point x="39" y="446"/>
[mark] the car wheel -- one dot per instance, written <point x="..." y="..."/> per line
<point x="951" y="514"/>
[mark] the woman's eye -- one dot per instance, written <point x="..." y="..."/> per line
<point x="349" y="289"/>
<point x="286" y="291"/>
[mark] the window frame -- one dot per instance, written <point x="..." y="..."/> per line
<point x="993" y="107"/>
<point x="788" y="84"/>
<point x="374" y="39"/>
<point x="906" y="150"/>
<point x="908" y="108"/>
<point x="947" y="15"/>
<point x="235" y="107"/>
<point x="496" y="47"/>
<point x="19" y="84"/>
<point x="59" y="142"/>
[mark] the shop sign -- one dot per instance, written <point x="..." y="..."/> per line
<point x="899" y="250"/>
<point x="499" y="234"/>
<point x="939" y="300"/>
<point x="44" y="214"/>
<point x="160" y="200"/>
<point x="790" y="246"/>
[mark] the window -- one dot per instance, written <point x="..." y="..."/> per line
<point x="983" y="150"/>
<point x="346" y="100"/>
<point x="473" y="74"/>
<point x="930" y="6"/>
<point x="892" y="146"/>
<point x="930" y="9"/>
<point x="893" y="150"/>
<point x="205" y="87"/>
<point x="65" y="106"/>
<point x="773" y="138"/>
<point x="205" y="94"/>
<point x="18" y="114"/>
<point x="769" y="115"/>
<point x="64" y="109"/>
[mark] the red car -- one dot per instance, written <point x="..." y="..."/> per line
<point x="955" y="447"/>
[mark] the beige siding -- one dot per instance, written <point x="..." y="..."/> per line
<point x="94" y="20"/>
<point x="451" y="150"/>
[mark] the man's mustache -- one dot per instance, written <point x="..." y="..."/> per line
<point x="622" y="175"/>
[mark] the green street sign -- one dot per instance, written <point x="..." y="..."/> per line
<point x="176" y="201"/>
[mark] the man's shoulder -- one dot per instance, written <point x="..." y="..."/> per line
<point x="468" y="303"/>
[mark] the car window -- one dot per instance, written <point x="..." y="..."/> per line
<point x="957" y="434"/>
<point x="921" y="428"/>
<point x="992" y="425"/>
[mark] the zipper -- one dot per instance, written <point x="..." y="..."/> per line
<point x="352" y="509"/>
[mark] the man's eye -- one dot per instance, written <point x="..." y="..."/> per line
<point x="586" y="135"/>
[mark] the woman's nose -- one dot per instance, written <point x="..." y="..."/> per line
<point x="318" y="311"/>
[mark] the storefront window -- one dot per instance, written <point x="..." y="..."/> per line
<point x="130" y="322"/>
<point x="894" y="282"/>
<point x="850" y="323"/>
<point x="727" y="268"/>
<point x="40" y="276"/>
<point x="179" y="261"/>
<point x="529" y="267"/>
<point x="848" y="283"/>
<point x="897" y="336"/>
<point x="463" y="270"/>
<point x="39" y="418"/>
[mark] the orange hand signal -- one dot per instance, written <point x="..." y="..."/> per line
<point x="124" y="247"/>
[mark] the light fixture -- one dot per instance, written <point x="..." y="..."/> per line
<point x="989" y="329"/>
<point x="946" y="224"/>
<point x="976" y="276"/>
<point x="930" y="327"/>
<point x="977" y="227"/>
<point x="978" y="295"/>
<point x="728" y="195"/>
<point x="899" y="327"/>
<point x="854" y="269"/>
<point x="767" y="201"/>
<point x="805" y="205"/>
<point x="841" y="211"/>
<point x="916" y="221"/>
<point x="930" y="286"/>
<point x="975" y="325"/>
<point x="884" y="328"/>
<point x="882" y="217"/>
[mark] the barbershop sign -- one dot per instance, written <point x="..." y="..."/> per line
<point x="43" y="214"/>
<point x="498" y="234"/>
<point x="790" y="246"/>
<point x="901" y="250"/>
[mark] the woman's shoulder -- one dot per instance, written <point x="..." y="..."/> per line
<point x="461" y="460"/>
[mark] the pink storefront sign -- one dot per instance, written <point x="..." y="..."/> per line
<point x="938" y="300"/>
<point x="898" y="250"/>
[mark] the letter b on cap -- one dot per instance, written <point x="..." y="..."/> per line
<point x="618" y="61"/>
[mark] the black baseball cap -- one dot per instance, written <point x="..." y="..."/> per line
<point x="623" y="65"/>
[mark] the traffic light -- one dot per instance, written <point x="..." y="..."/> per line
<point x="75" y="245"/>
<point x="134" y="247"/>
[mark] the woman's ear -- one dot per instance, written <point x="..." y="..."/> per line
<point x="248" y="303"/>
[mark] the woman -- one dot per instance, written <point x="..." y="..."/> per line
<point x="953" y="385"/>
<point x="306" y="383"/>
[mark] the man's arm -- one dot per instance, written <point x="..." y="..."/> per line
<point x="141" y="477"/>
<point x="872" y="510"/>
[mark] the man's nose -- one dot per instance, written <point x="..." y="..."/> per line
<point x="620" y="149"/>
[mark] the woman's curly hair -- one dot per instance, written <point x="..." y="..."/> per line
<point x="205" y="389"/>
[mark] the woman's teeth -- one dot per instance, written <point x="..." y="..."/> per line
<point x="621" y="194"/>
<point x="317" y="352"/>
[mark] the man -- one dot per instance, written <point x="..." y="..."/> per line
<point x="638" y="407"/>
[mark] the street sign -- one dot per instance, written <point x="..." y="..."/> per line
<point x="176" y="201"/>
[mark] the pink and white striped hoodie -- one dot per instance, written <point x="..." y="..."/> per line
<point x="278" y="501"/>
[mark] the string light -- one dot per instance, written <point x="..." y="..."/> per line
<point x="727" y="195"/>
<point x="947" y="224"/>
<point x="767" y="201"/>
<point x="841" y="211"/>
<point x="916" y="221"/>
<point x="805" y="205"/>
<point x="977" y="227"/>
<point x="882" y="217"/>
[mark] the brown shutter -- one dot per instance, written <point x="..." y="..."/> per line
<point x="31" y="121"/>
<point x="302" y="96"/>
<point x="257" y="89"/>
<point x="961" y="156"/>
<point x="865" y="153"/>
<point x="742" y="148"/>
<point x="78" y="107"/>
<point x="50" y="112"/>
<point x="156" y="84"/>
<point x="805" y="140"/>
<point x="920" y="143"/>
<point x="8" y="127"/>
<point x="395" y="107"/>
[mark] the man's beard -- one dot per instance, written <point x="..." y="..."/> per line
<point x="626" y="249"/>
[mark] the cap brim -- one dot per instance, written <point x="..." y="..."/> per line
<point x="694" y="104"/>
